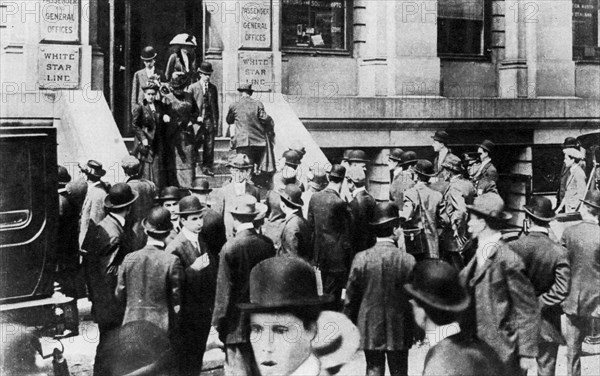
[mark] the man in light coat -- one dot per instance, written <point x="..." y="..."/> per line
<point x="575" y="187"/>
<point x="93" y="205"/>
<point x="486" y="176"/>
<point x="144" y="75"/>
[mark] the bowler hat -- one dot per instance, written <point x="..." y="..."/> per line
<point x="573" y="153"/>
<point x="540" y="207"/>
<point x="487" y="145"/>
<point x="489" y="205"/>
<point x="247" y="205"/>
<point x="292" y="158"/>
<point x="189" y="205"/>
<point x="386" y="214"/>
<point x="151" y="85"/>
<point x="292" y="196"/>
<point x="63" y="176"/>
<point x="592" y="198"/>
<point x="93" y="168"/>
<point x="452" y="163"/>
<point x="334" y="348"/>
<point x="281" y="282"/>
<point x="178" y="81"/>
<point x="436" y="284"/>
<point x="338" y="171"/>
<point x="205" y="68"/>
<point x="356" y="174"/>
<point x="245" y="87"/>
<point x="357" y="156"/>
<point x="158" y="221"/>
<point x="408" y="158"/>
<point x="120" y="195"/>
<point x="169" y="193"/>
<point x="297" y="146"/>
<point x="571" y="142"/>
<point x="424" y="167"/>
<point x="184" y="40"/>
<point x="441" y="136"/>
<point x="200" y="185"/>
<point x="396" y="154"/>
<point x="317" y="178"/>
<point x="240" y="161"/>
<point x="346" y="154"/>
<point x="148" y="53"/>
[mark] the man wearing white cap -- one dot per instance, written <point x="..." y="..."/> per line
<point x="576" y="187"/>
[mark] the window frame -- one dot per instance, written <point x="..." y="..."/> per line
<point x="486" y="53"/>
<point x="586" y="59"/>
<point x="348" y="25"/>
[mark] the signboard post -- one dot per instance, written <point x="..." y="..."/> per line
<point x="60" y="20"/>
<point x="58" y="67"/>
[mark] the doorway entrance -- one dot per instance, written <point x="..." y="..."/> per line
<point x="137" y="24"/>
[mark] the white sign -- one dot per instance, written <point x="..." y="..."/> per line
<point x="255" y="24"/>
<point x="256" y="68"/>
<point x="58" y="67"/>
<point x="60" y="20"/>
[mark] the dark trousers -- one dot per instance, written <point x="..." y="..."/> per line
<point x="397" y="361"/>
<point x="194" y="333"/>
<point x="333" y="284"/>
<point x="546" y="359"/>
<point x="575" y="331"/>
<point x="208" y="143"/>
<point x="102" y="361"/>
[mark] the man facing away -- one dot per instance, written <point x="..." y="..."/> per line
<point x="296" y="235"/>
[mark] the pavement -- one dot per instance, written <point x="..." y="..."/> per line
<point x="80" y="351"/>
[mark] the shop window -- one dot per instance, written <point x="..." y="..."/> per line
<point x="312" y="24"/>
<point x="462" y="27"/>
<point x="586" y="44"/>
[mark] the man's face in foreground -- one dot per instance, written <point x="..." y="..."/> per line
<point x="280" y="342"/>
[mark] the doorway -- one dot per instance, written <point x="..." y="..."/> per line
<point x="137" y="24"/>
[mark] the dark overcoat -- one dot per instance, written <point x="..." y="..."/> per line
<point x="431" y="201"/>
<point x="212" y="100"/>
<point x="401" y="182"/>
<point x="375" y="298"/>
<point x="238" y="256"/>
<point x="213" y="230"/>
<point x="362" y="207"/>
<point x="504" y="311"/>
<point x="149" y="287"/>
<point x="93" y="207"/>
<point x="548" y="269"/>
<point x="330" y="222"/>
<point x="250" y="121"/>
<point x="453" y="212"/>
<point x="177" y="64"/>
<point x="583" y="246"/>
<point x="149" y="125"/>
<point x="296" y="238"/>
<point x="140" y="208"/>
<point x="485" y="180"/>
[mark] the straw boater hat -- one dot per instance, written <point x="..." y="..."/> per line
<point x="248" y="206"/>
<point x="490" y="206"/>
<point x="119" y="196"/>
<point x="158" y="221"/>
<point x="573" y="153"/>
<point x="93" y="168"/>
<point x="540" y="207"/>
<point x="184" y="40"/>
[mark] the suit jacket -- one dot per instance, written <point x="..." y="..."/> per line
<point x="485" y="178"/>
<point x="93" y="208"/>
<point x="107" y="244"/>
<point x="453" y="212"/>
<point x="213" y="230"/>
<point x="226" y="201"/>
<point x="250" y="119"/>
<point x="140" y="208"/>
<point x="140" y="78"/>
<point x="375" y="297"/>
<point x="238" y="256"/>
<point x="330" y="222"/>
<point x="504" y="311"/>
<point x="148" y="125"/>
<point x="362" y="207"/>
<point x="211" y="113"/>
<point x="583" y="247"/>
<point x="462" y="355"/>
<point x="149" y="287"/>
<point x="431" y="201"/>
<point x="548" y="269"/>
<point x="296" y="238"/>
<point x="575" y="189"/>
<point x="199" y="286"/>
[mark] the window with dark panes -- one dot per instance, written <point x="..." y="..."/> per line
<point x="586" y="44"/>
<point x="312" y="24"/>
<point x="461" y="27"/>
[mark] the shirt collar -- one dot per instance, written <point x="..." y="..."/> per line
<point x="94" y="183"/>
<point x="245" y="226"/>
<point x="386" y="240"/>
<point x="119" y="218"/>
<point x="150" y="72"/>
<point x="155" y="242"/>
<point x="189" y="235"/>
<point x="487" y="247"/>
<point x="292" y="213"/>
<point x="240" y="188"/>
<point x="309" y="367"/>
<point x="540" y="229"/>
<point x="357" y="191"/>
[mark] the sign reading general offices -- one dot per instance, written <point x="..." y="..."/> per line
<point x="60" y="20"/>
<point x="255" y="24"/>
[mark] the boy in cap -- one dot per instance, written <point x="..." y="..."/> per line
<point x="575" y="186"/>
<point x="504" y="312"/>
<point x="239" y="255"/>
<point x="548" y="269"/>
<point x="200" y="268"/>
<point x="362" y="208"/>
<point x="486" y="176"/>
<point x="583" y="301"/>
<point x="438" y="299"/>
<point x="295" y="236"/>
<point x="145" y="75"/>
<point x="403" y="178"/>
<point x="374" y="301"/>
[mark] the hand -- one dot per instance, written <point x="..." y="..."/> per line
<point x="200" y="263"/>
<point x="200" y="120"/>
<point x="166" y="118"/>
<point x="527" y="364"/>
<point x="145" y="142"/>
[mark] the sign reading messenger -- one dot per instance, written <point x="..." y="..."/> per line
<point x="60" y="20"/>
<point x="58" y="67"/>
<point x="255" y="24"/>
<point x="256" y="68"/>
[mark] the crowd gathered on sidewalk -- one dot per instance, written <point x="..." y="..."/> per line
<point x="271" y="266"/>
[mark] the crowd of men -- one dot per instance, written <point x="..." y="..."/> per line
<point x="167" y="265"/>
